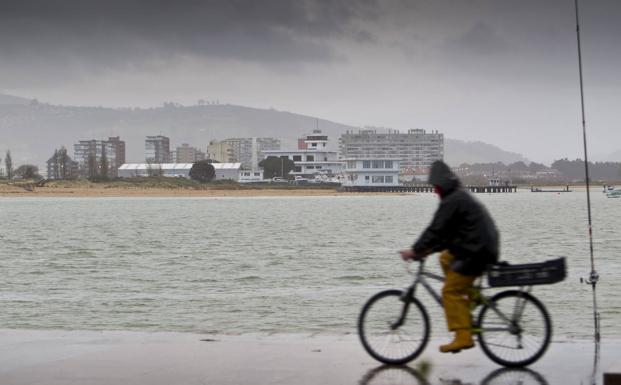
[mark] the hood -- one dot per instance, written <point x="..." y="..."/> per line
<point x="442" y="176"/>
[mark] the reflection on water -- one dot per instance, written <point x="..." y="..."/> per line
<point x="405" y="375"/>
<point x="514" y="376"/>
<point x="393" y="375"/>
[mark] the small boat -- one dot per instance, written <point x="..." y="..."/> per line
<point x="613" y="194"/>
<point x="537" y="189"/>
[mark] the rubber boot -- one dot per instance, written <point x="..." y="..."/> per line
<point x="463" y="340"/>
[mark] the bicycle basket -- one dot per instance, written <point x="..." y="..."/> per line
<point x="544" y="273"/>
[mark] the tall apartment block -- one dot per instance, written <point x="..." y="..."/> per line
<point x="248" y="151"/>
<point x="157" y="149"/>
<point x="221" y="152"/>
<point x="187" y="154"/>
<point x="416" y="149"/>
<point x="114" y="149"/>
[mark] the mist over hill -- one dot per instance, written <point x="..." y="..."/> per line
<point x="32" y="130"/>
<point x="457" y="152"/>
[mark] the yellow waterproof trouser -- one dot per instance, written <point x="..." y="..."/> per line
<point x="455" y="295"/>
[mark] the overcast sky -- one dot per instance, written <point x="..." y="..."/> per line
<point x="499" y="71"/>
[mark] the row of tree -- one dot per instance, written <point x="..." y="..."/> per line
<point x="574" y="170"/>
<point x="25" y="171"/>
<point x="571" y="170"/>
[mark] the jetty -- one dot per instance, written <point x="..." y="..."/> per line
<point x="427" y="189"/>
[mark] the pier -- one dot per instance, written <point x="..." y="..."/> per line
<point x="426" y="189"/>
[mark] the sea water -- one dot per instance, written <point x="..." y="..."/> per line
<point x="273" y="264"/>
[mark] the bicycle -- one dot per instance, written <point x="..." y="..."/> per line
<point x="513" y="327"/>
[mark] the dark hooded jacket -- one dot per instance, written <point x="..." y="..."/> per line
<point x="461" y="225"/>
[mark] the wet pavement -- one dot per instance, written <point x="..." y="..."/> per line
<point x="62" y="357"/>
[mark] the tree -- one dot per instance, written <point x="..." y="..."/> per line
<point x="8" y="162"/>
<point x="103" y="173"/>
<point x="274" y="166"/>
<point x="202" y="171"/>
<point x="64" y="163"/>
<point x="28" y="171"/>
<point x="92" y="171"/>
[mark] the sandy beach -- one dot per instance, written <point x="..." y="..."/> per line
<point x="104" y="191"/>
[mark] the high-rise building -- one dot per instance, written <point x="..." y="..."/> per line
<point x="187" y="154"/>
<point x="248" y="151"/>
<point x="416" y="149"/>
<point x="221" y="152"/>
<point x="157" y="149"/>
<point x="113" y="148"/>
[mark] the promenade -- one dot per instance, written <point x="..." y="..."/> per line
<point x="84" y="358"/>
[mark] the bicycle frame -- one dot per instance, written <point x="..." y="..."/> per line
<point x="421" y="277"/>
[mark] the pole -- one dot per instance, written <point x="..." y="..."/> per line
<point x="593" y="276"/>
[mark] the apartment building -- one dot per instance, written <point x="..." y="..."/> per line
<point x="247" y="151"/>
<point x="416" y="149"/>
<point x="188" y="154"/>
<point x="157" y="149"/>
<point x="113" y="148"/>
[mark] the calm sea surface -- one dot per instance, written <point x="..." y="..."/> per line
<point x="271" y="265"/>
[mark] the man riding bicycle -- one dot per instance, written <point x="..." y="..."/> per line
<point x="465" y="233"/>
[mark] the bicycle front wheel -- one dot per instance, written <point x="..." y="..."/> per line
<point x="515" y="329"/>
<point x="393" y="330"/>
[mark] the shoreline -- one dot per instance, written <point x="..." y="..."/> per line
<point x="217" y="191"/>
<point x="94" y="192"/>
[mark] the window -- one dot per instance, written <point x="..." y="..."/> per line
<point x="366" y="164"/>
<point x="388" y="164"/>
<point x="319" y="167"/>
<point x="310" y="158"/>
<point x="314" y="145"/>
<point x="377" y="179"/>
<point x="378" y="164"/>
<point x="366" y="178"/>
<point x="297" y="158"/>
<point x="257" y="174"/>
<point x="310" y="167"/>
<point x="388" y="179"/>
<point x="351" y="165"/>
<point x="297" y="169"/>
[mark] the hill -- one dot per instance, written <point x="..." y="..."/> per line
<point x="457" y="152"/>
<point x="33" y="130"/>
<point x="14" y="100"/>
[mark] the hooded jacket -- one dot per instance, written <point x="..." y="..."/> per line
<point x="461" y="225"/>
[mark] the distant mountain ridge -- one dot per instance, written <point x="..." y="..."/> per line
<point x="14" y="100"/>
<point x="457" y="152"/>
<point x="33" y="130"/>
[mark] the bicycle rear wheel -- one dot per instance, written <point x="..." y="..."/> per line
<point x="515" y="329"/>
<point x="393" y="330"/>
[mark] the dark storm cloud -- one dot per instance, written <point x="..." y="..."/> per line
<point x="91" y="35"/>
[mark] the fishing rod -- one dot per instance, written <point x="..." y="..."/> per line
<point x="593" y="276"/>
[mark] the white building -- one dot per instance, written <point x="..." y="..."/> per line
<point x="314" y="159"/>
<point x="371" y="172"/>
<point x="250" y="176"/>
<point x="224" y="171"/>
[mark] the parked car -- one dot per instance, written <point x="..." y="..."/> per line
<point x="278" y="180"/>
<point x="299" y="180"/>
